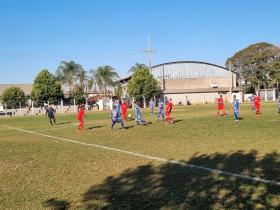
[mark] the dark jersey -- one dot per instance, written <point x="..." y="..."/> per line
<point x="50" y="112"/>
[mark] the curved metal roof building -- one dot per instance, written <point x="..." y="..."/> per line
<point x="198" y="82"/>
<point x="189" y="69"/>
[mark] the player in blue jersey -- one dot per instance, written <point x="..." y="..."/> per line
<point x="235" y="107"/>
<point x="160" y="110"/>
<point x="138" y="116"/>
<point x="116" y="118"/>
<point x="151" y="106"/>
<point x="251" y="99"/>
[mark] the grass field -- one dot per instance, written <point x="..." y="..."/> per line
<point x="38" y="172"/>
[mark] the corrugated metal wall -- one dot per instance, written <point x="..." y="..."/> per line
<point x="189" y="70"/>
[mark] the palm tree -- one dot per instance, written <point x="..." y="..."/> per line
<point x="67" y="73"/>
<point x="104" y="76"/>
<point x="82" y="79"/>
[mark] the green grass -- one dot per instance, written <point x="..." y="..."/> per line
<point x="38" y="172"/>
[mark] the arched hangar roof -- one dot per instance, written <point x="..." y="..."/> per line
<point x="189" y="69"/>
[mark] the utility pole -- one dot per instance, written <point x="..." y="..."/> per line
<point x="149" y="52"/>
<point x="231" y="74"/>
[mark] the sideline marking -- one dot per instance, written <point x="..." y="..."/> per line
<point x="57" y="127"/>
<point x="211" y="170"/>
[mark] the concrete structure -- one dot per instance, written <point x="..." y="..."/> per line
<point x="192" y="82"/>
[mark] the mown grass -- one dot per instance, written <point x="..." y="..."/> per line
<point x="37" y="172"/>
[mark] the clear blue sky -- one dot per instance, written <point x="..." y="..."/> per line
<point x="39" y="34"/>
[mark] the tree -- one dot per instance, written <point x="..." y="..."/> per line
<point x="136" y="67"/>
<point x="143" y="83"/>
<point x="69" y="73"/>
<point x="13" y="96"/>
<point x="257" y="65"/>
<point x="46" y="88"/>
<point x="105" y="76"/>
<point x="79" y="95"/>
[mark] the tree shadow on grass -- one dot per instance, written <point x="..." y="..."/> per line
<point x="173" y="186"/>
<point x="56" y="204"/>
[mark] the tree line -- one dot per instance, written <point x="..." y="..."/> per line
<point x="70" y="81"/>
<point x="257" y="66"/>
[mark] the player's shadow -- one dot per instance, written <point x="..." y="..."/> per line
<point x="177" y="121"/>
<point x="63" y="123"/>
<point x="173" y="186"/>
<point x="95" y="127"/>
<point x="56" y="204"/>
<point x="129" y="126"/>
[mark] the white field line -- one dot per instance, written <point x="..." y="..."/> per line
<point x="57" y="127"/>
<point x="214" y="171"/>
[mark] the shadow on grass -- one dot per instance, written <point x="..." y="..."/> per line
<point x="56" y="204"/>
<point x="129" y="126"/>
<point x="63" y="123"/>
<point x="177" y="121"/>
<point x="97" y="126"/>
<point x="171" y="186"/>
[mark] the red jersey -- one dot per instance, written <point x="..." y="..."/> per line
<point x="169" y="107"/>
<point x="124" y="107"/>
<point x="257" y="100"/>
<point x="220" y="102"/>
<point x="81" y="114"/>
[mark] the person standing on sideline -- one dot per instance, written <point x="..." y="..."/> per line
<point x="221" y="106"/>
<point x="80" y="117"/>
<point x="160" y="110"/>
<point x="116" y="118"/>
<point x="257" y="103"/>
<point x="151" y="106"/>
<point x="50" y="112"/>
<point x="124" y="107"/>
<point x="168" y="110"/>
<point x="235" y="106"/>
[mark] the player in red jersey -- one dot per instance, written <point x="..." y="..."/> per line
<point x="257" y="103"/>
<point x="221" y="106"/>
<point x="124" y="108"/>
<point x="80" y="116"/>
<point x="169" y="119"/>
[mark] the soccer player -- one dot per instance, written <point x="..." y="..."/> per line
<point x="220" y="106"/>
<point x="124" y="107"/>
<point x="251" y="99"/>
<point x="160" y="110"/>
<point x="116" y="118"/>
<point x="80" y="117"/>
<point x="168" y="110"/>
<point x="235" y="106"/>
<point x="50" y="112"/>
<point x="118" y="106"/>
<point x="138" y="116"/>
<point x="257" y="103"/>
<point x="151" y="106"/>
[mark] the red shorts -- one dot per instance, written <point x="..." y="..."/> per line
<point x="221" y="107"/>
